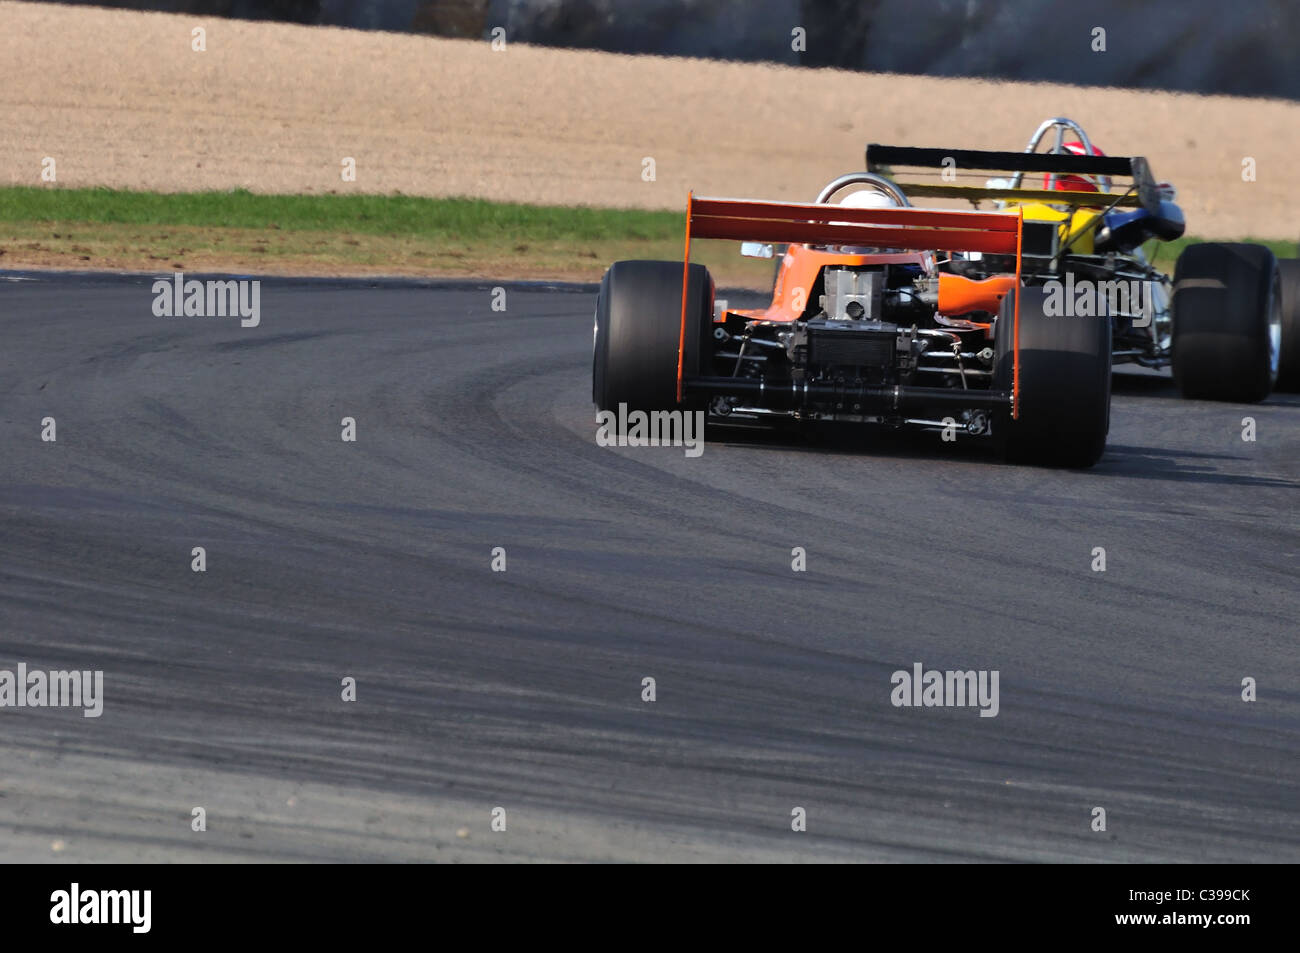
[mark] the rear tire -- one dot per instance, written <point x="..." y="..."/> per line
<point x="1288" y="370"/>
<point x="1227" y="321"/>
<point x="1064" y="383"/>
<point x="638" y="323"/>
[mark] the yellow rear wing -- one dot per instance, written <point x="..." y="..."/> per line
<point x="1139" y="191"/>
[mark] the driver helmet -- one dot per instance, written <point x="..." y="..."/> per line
<point x="866" y="198"/>
<point x="1078" y="183"/>
<point x="869" y="198"/>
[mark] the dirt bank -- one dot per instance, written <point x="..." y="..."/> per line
<point x="120" y="99"/>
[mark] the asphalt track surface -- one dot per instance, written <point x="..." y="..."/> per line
<point x="523" y="689"/>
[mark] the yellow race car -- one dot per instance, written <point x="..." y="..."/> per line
<point x="1227" y="322"/>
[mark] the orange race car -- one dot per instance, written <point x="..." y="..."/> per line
<point x="864" y="326"/>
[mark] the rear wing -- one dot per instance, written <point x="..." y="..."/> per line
<point x="994" y="233"/>
<point x="906" y="228"/>
<point x="1141" y="191"/>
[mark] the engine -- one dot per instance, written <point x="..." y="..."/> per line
<point x="852" y="294"/>
<point x="874" y="328"/>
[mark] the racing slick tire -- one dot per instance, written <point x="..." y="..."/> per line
<point x="1227" y="321"/>
<point x="637" y="328"/>
<point x="1064" y="383"/>
<point x="1288" y="370"/>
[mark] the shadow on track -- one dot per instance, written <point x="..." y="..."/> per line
<point x="852" y="439"/>
<point x="1144" y="385"/>
<point x="1120" y="460"/>
<point x="1150" y="384"/>
<point x="1179" y="466"/>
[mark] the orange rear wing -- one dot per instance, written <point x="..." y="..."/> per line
<point x="913" y="229"/>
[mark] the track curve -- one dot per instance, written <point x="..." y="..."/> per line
<point x="523" y="689"/>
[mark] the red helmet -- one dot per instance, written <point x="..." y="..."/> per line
<point x="1078" y="183"/>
